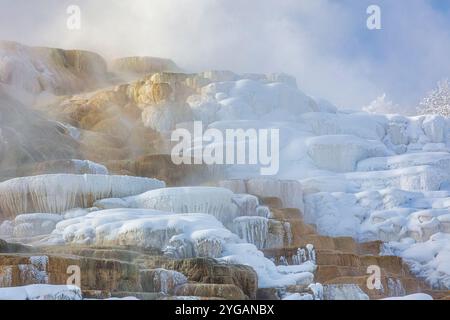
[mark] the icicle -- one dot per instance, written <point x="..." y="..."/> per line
<point x="288" y="233"/>
<point x="311" y="253"/>
<point x="283" y="261"/>
<point x="317" y="290"/>
<point x="61" y="192"/>
<point x="300" y="257"/>
<point x="35" y="272"/>
<point x="252" y="230"/>
<point x="395" y="288"/>
<point x="304" y="255"/>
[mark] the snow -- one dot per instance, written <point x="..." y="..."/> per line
<point x="219" y="202"/>
<point x="91" y="167"/>
<point x="41" y="292"/>
<point x="417" y="296"/>
<point x="362" y="125"/>
<point x="184" y="235"/>
<point x="340" y="153"/>
<point x="247" y="99"/>
<point x="429" y="260"/>
<point x="423" y="178"/>
<point x="440" y="160"/>
<point x="414" y="225"/>
<point x="210" y="200"/>
<point x="437" y="101"/>
<point x="268" y="274"/>
<point x="375" y="215"/>
<point x="29" y="225"/>
<point x="178" y="235"/>
<point x="435" y="128"/>
<point x="370" y="176"/>
<point x="299" y="296"/>
<point x="61" y="192"/>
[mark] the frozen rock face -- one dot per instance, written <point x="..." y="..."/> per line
<point x="289" y="192"/>
<point x="397" y="134"/>
<point x="435" y="128"/>
<point x="362" y="125"/>
<point x="252" y="230"/>
<point x="341" y="153"/>
<point x="248" y="205"/>
<point x="177" y="235"/>
<point x="57" y="71"/>
<point x="142" y="65"/>
<point x="59" y="193"/>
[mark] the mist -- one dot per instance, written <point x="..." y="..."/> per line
<point x="324" y="43"/>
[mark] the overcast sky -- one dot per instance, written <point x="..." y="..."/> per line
<point x="324" y="43"/>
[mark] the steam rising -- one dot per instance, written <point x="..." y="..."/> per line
<point x="325" y="43"/>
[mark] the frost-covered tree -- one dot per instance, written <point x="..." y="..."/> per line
<point x="437" y="101"/>
<point x="383" y="106"/>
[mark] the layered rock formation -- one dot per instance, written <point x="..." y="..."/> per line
<point x="85" y="181"/>
<point x="118" y="272"/>
<point x="37" y="70"/>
